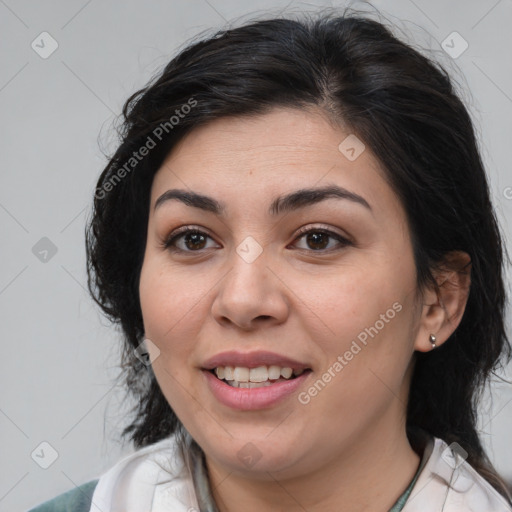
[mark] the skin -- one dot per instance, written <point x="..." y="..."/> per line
<point x="348" y="444"/>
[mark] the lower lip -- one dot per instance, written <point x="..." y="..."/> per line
<point x="252" y="398"/>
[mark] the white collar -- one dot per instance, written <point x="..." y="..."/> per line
<point x="157" y="478"/>
<point x="153" y="479"/>
<point x="447" y="483"/>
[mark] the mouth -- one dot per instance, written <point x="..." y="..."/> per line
<point x="254" y="380"/>
<point x="259" y="377"/>
<point x="237" y="390"/>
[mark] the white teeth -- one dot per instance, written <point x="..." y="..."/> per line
<point x="286" y="373"/>
<point x="228" y="372"/>
<point x="259" y="374"/>
<point x="243" y="377"/>
<point x="241" y="374"/>
<point x="249" y="385"/>
<point x="274" y="372"/>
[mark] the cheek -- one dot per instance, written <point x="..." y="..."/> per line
<point x="354" y="301"/>
<point x="170" y="305"/>
<point x="168" y="309"/>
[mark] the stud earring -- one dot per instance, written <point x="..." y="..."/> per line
<point x="433" y="341"/>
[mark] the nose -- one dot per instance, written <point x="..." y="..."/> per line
<point x="251" y="295"/>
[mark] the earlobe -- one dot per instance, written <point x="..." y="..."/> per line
<point x="444" y="307"/>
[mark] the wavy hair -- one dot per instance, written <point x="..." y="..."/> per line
<point x="403" y="106"/>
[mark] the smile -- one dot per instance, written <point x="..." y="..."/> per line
<point x="250" y="378"/>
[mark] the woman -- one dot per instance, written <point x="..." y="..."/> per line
<point x="296" y="237"/>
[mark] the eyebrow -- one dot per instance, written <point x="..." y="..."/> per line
<point x="286" y="203"/>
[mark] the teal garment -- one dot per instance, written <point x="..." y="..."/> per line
<point x="400" y="503"/>
<point x="75" y="500"/>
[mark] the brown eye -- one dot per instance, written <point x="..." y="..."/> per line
<point x="316" y="240"/>
<point x="187" y="240"/>
<point x="319" y="239"/>
<point x="194" y="240"/>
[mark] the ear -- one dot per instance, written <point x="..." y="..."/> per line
<point x="443" y="308"/>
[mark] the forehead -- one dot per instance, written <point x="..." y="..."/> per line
<point x="259" y="157"/>
<point x="285" y="134"/>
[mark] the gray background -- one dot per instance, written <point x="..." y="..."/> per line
<point x="59" y="355"/>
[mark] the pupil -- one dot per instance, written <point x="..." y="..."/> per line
<point x="316" y="238"/>
<point x="196" y="239"/>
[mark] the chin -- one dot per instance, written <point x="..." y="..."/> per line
<point x="257" y="456"/>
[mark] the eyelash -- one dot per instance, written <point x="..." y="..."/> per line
<point x="173" y="237"/>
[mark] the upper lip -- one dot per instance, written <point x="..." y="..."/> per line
<point x="252" y="360"/>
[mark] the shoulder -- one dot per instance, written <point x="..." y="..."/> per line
<point x="449" y="483"/>
<point x="75" y="500"/>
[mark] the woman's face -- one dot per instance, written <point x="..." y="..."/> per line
<point x="253" y="290"/>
